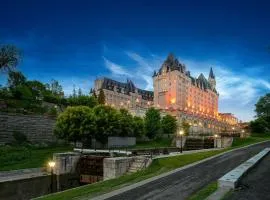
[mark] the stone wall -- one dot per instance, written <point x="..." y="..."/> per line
<point x="24" y="189"/>
<point x="121" y="141"/>
<point x="115" y="167"/>
<point x="37" y="128"/>
<point x="223" y="142"/>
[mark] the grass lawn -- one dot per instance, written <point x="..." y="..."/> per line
<point x="157" y="167"/>
<point x="239" y="142"/>
<point x="205" y="192"/>
<point x="19" y="157"/>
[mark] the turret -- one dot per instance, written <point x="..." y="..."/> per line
<point x="212" y="79"/>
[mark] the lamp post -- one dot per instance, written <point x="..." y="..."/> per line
<point x="216" y="140"/>
<point x="51" y="165"/>
<point x="181" y="133"/>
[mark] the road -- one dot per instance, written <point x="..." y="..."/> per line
<point x="256" y="184"/>
<point x="182" y="184"/>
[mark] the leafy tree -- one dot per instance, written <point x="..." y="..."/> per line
<point x="22" y="92"/>
<point x="74" y="124"/>
<point x="101" y="97"/>
<point x="37" y="88"/>
<point x="263" y="106"/>
<point x="15" y="79"/>
<point x="55" y="88"/>
<point x="82" y="100"/>
<point x="138" y="126"/>
<point x="168" y="124"/>
<point x="107" y="122"/>
<point x="126" y="123"/>
<point x="262" y="123"/>
<point x="9" y="57"/>
<point x="152" y="123"/>
<point x="80" y="92"/>
<point x="259" y="125"/>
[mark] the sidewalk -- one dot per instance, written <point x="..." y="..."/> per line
<point x="185" y="153"/>
<point x="21" y="174"/>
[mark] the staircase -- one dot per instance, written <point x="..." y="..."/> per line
<point x="139" y="163"/>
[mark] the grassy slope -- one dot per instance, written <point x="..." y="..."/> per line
<point x="205" y="192"/>
<point x="238" y="142"/>
<point x="12" y="158"/>
<point x="157" y="167"/>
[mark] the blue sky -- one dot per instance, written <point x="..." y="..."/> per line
<point x="77" y="41"/>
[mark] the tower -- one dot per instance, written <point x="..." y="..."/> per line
<point x="212" y="79"/>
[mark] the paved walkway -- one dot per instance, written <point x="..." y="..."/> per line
<point x="183" y="183"/>
<point x="21" y="174"/>
<point x="256" y="184"/>
<point x="184" y="153"/>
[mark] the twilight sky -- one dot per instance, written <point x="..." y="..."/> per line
<point x="77" y="41"/>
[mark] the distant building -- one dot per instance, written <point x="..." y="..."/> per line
<point x="125" y="95"/>
<point x="228" y="118"/>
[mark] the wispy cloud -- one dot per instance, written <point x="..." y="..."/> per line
<point x="116" y="69"/>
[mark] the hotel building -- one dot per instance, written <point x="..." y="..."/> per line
<point x="189" y="99"/>
<point x="125" y="95"/>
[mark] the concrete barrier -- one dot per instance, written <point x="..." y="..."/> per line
<point x="231" y="179"/>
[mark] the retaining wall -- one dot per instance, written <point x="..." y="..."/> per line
<point x="37" y="128"/>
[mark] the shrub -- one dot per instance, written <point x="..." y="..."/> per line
<point x="19" y="137"/>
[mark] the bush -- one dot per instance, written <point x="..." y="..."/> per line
<point x="52" y="111"/>
<point x="19" y="137"/>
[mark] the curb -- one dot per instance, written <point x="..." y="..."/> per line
<point x="141" y="183"/>
<point x="230" y="180"/>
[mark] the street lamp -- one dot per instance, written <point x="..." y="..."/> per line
<point x="216" y="140"/>
<point x="181" y="133"/>
<point x="51" y="165"/>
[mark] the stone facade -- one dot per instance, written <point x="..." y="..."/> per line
<point x="115" y="167"/>
<point x="37" y="128"/>
<point x="189" y="99"/>
<point x="124" y="95"/>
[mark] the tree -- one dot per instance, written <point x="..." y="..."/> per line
<point x="169" y="124"/>
<point x="15" y="79"/>
<point x="107" y="122"/>
<point x="9" y="57"/>
<point x="152" y="123"/>
<point x="263" y="106"/>
<point x="126" y="123"/>
<point x="258" y="126"/>
<point x="262" y="123"/>
<point x="80" y="92"/>
<point x="75" y="124"/>
<point x="37" y="88"/>
<point x="55" y="88"/>
<point x="101" y="97"/>
<point x="82" y="100"/>
<point x="138" y="126"/>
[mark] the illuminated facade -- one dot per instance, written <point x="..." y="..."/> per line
<point x="190" y="99"/>
<point x="228" y="118"/>
<point x="124" y="95"/>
